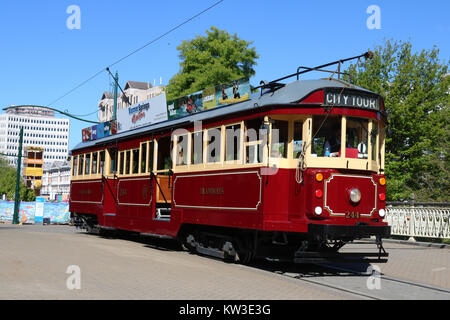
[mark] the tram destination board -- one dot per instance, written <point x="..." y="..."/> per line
<point x="346" y="98"/>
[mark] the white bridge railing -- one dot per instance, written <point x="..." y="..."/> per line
<point x="428" y="222"/>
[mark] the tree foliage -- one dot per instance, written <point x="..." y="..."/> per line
<point x="415" y="88"/>
<point x="8" y="177"/>
<point x="211" y="60"/>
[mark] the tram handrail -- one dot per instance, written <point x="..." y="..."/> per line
<point x="104" y="180"/>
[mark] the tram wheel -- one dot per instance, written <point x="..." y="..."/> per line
<point x="245" y="250"/>
<point x="189" y="243"/>
<point x="229" y="252"/>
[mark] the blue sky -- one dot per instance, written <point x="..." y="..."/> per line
<point x="41" y="59"/>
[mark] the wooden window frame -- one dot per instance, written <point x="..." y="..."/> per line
<point x="240" y="159"/>
<point x="206" y="144"/>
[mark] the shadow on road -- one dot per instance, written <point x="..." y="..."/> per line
<point x="280" y="267"/>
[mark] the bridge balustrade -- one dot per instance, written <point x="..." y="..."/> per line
<point x="417" y="221"/>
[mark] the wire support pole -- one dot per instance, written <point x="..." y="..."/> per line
<point x="17" y="194"/>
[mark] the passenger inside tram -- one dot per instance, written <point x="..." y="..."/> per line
<point x="327" y="139"/>
<point x="332" y="145"/>
<point x="326" y="132"/>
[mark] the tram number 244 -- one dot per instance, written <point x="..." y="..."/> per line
<point x="352" y="215"/>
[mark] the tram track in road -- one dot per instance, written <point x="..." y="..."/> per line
<point x="338" y="288"/>
<point x="310" y="274"/>
<point x="388" y="278"/>
<point x="361" y="285"/>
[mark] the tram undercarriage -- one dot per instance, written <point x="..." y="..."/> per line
<point x="246" y="246"/>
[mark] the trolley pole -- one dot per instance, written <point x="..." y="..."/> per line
<point x="19" y="165"/>
<point x="116" y="87"/>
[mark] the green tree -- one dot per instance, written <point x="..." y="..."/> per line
<point x="415" y="88"/>
<point x="8" y="183"/>
<point x="211" y="60"/>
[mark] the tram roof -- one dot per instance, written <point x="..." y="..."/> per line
<point x="289" y="93"/>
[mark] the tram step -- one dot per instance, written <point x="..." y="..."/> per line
<point x="210" y="252"/>
<point x="163" y="213"/>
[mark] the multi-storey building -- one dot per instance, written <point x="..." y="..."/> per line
<point x="135" y="92"/>
<point x="41" y="129"/>
<point x="56" y="181"/>
<point x="33" y="168"/>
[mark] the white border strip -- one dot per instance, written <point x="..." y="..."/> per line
<point x="218" y="174"/>
<point x="134" y="204"/>
<point x="101" y="202"/>
<point x="350" y="176"/>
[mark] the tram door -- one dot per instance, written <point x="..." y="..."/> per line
<point x="109" y="186"/>
<point x="163" y="180"/>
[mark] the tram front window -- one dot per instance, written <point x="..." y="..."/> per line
<point x="356" y="138"/>
<point x="327" y="139"/>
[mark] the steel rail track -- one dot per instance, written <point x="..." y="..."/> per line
<point x="416" y="284"/>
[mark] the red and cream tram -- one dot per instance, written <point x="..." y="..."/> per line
<point x="296" y="171"/>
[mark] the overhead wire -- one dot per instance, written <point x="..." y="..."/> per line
<point x="135" y="51"/>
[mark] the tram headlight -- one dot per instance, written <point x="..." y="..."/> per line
<point x="318" y="211"/>
<point x="382" y="213"/>
<point x="355" y="195"/>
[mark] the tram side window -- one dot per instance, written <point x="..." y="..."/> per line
<point x="113" y="156"/>
<point x="75" y="166"/>
<point x="197" y="148"/>
<point x="144" y="157"/>
<point x="164" y="159"/>
<point x="151" y="153"/>
<point x="233" y="142"/>
<point x="254" y="144"/>
<point x="279" y="139"/>
<point x="298" y="138"/>
<point x="381" y="142"/>
<point x="373" y="140"/>
<point x="356" y="138"/>
<point x="213" y="146"/>
<point x="102" y="162"/>
<point x="81" y="165"/>
<point x="122" y="162"/>
<point x="87" y="163"/>
<point x="327" y="139"/>
<point x="181" y="152"/>
<point x="135" y="166"/>
<point x="94" y="163"/>
<point x="127" y="161"/>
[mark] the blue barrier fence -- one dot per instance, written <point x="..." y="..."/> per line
<point x="57" y="212"/>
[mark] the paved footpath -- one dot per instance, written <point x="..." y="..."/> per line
<point x="34" y="261"/>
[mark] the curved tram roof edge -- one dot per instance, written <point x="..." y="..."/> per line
<point x="291" y="92"/>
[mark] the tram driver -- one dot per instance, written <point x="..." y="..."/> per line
<point x="333" y="143"/>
